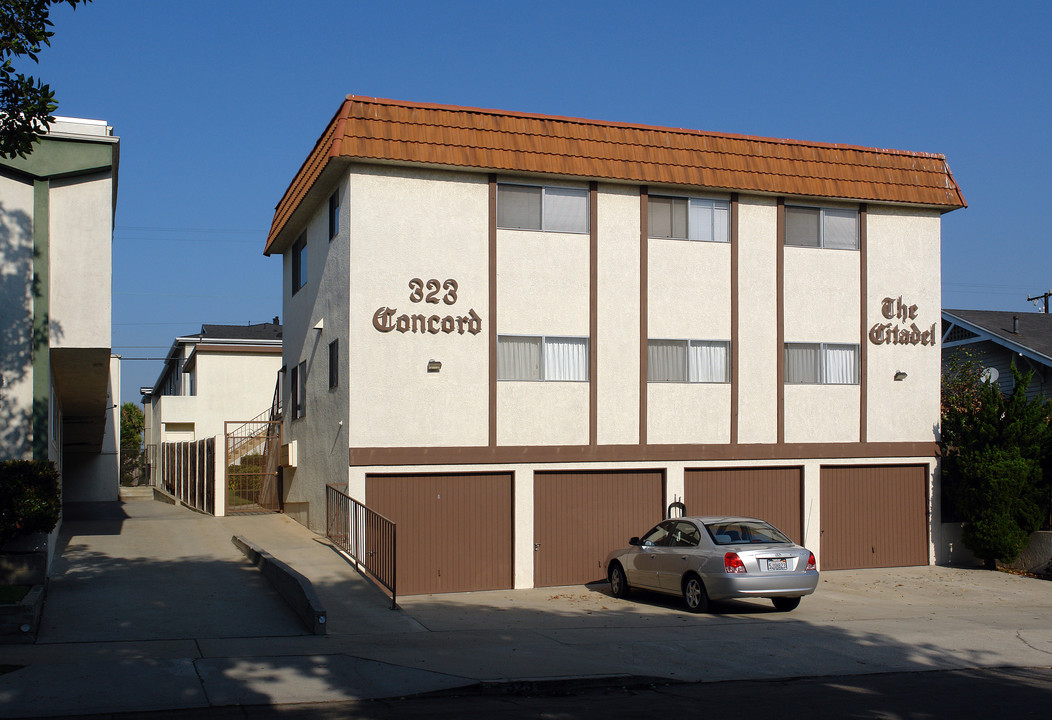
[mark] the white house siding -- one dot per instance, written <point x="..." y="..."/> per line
<point x="904" y="262"/>
<point x="407" y="223"/>
<point x="618" y="316"/>
<point x="757" y="351"/>
<point x="81" y="266"/>
<point x="16" y="317"/>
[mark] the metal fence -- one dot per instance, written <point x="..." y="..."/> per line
<point x="367" y="536"/>
<point x="188" y="472"/>
<point x="252" y="456"/>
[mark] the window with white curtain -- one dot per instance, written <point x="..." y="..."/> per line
<point x="532" y="207"/>
<point x="821" y="364"/>
<point x="696" y="361"/>
<point x="698" y="219"/>
<point x="542" y="358"/>
<point x="835" y="228"/>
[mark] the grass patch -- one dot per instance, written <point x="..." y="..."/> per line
<point x="10" y="594"/>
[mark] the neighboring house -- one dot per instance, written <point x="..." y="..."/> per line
<point x="224" y="373"/>
<point x="59" y="382"/>
<point x="523" y="337"/>
<point x="997" y="339"/>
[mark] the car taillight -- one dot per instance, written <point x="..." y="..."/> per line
<point x="733" y="564"/>
<point x="810" y="562"/>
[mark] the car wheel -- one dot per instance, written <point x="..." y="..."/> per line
<point x="694" y="594"/>
<point x="618" y="582"/>
<point x="785" y="604"/>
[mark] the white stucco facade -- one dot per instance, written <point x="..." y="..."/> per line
<point x="422" y="284"/>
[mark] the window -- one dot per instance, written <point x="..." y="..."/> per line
<point x="299" y="263"/>
<point x="334" y="364"/>
<point x="542" y="358"/>
<point x="531" y="207"/>
<point x="696" y="361"/>
<point x="334" y="214"/>
<point x="689" y="219"/>
<point x="298" y="388"/>
<point x="821" y="227"/>
<point x="821" y="364"/>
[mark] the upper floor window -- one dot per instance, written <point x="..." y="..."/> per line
<point x="821" y="364"/>
<point x="532" y="207"/>
<point x="334" y="363"/>
<point x="821" y="227"/>
<point x="298" y="390"/>
<point x="696" y="361"/>
<point x="681" y="218"/>
<point x="334" y="214"/>
<point x="542" y="358"/>
<point x="299" y="263"/>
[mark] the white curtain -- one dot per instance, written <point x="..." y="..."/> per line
<point x="666" y="360"/>
<point x="518" y="358"/>
<point x="709" y="361"/>
<point x="709" y="220"/>
<point x="566" y="359"/>
<point x="841" y="364"/>
<point x="801" y="362"/>
<point x="841" y="229"/>
<point x="566" y="210"/>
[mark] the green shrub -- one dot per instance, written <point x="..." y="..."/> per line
<point x="30" y="498"/>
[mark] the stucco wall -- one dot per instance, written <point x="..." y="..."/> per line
<point x="407" y="224"/>
<point x="904" y="248"/>
<point x="757" y="351"/>
<point x="81" y="220"/>
<point x="618" y="322"/>
<point x="16" y="317"/>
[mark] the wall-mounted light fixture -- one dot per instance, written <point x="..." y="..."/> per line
<point x="900" y="375"/>
<point x="320" y="325"/>
<point x="433" y="366"/>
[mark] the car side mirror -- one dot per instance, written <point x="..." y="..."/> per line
<point x="633" y="541"/>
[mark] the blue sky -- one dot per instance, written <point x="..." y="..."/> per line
<point x="217" y="102"/>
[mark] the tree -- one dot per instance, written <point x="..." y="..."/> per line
<point x="133" y="422"/>
<point x="995" y="452"/>
<point x="26" y="103"/>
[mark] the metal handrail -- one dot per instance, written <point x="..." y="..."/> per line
<point x="365" y="535"/>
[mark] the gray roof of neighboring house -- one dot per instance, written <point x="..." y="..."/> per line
<point x="261" y="331"/>
<point x="1035" y="329"/>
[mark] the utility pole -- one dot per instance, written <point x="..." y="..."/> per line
<point x="1041" y="297"/>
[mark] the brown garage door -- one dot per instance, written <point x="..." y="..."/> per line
<point x="454" y="532"/>
<point x="770" y="493"/>
<point x="875" y="516"/>
<point x="579" y="517"/>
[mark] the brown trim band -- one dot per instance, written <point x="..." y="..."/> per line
<point x="863" y="303"/>
<point x="780" y="301"/>
<point x="492" y="310"/>
<point x="635" y="453"/>
<point x="644" y="233"/>
<point x="734" y="319"/>
<point x="593" y="313"/>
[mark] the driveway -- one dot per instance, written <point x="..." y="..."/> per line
<point x="159" y="593"/>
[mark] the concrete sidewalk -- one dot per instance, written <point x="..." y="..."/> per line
<point x="152" y="607"/>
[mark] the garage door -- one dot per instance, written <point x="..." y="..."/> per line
<point x="874" y="516"/>
<point x="772" y="494"/>
<point x="454" y="532"/>
<point x="580" y="517"/>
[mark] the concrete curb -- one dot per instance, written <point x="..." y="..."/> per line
<point x="292" y="586"/>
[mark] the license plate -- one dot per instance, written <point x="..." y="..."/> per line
<point x="777" y="565"/>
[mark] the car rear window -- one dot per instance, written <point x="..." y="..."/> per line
<point x="745" y="532"/>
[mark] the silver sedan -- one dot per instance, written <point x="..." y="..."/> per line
<point x="714" y="558"/>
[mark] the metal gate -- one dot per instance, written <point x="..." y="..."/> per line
<point x="252" y="455"/>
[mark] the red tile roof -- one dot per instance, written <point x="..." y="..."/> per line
<point x="493" y="140"/>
